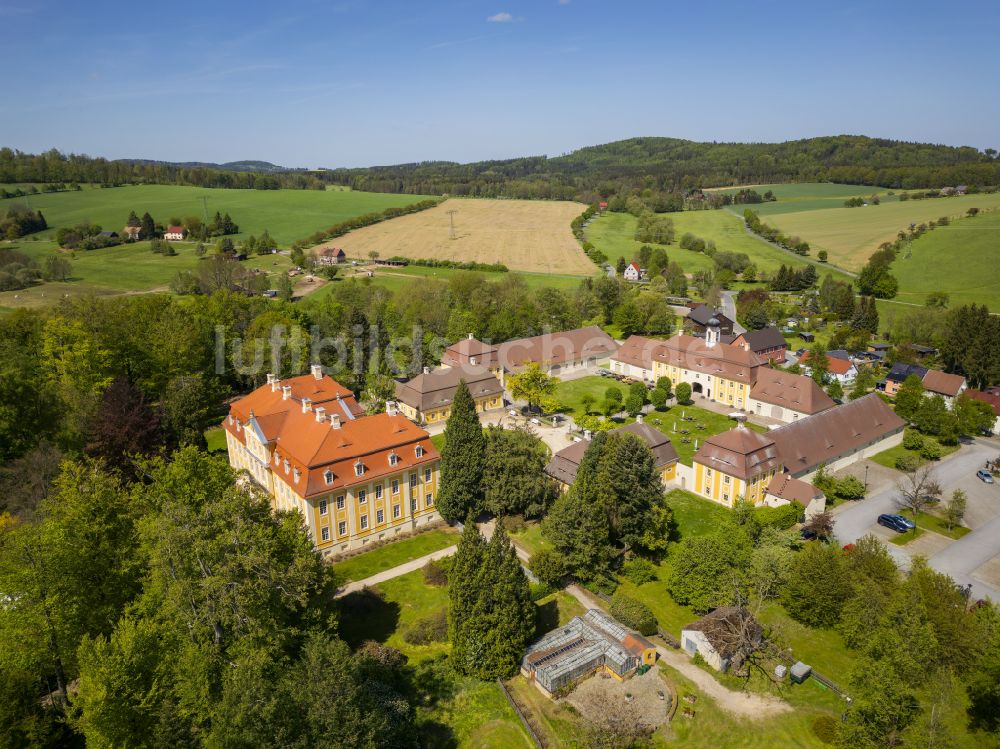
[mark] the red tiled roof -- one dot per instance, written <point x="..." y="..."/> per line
<point x="792" y="489"/>
<point x="836" y="366"/>
<point x="990" y="398"/>
<point x="459" y="353"/>
<point x="637" y="350"/>
<point x="740" y="452"/>
<point x="175" y="230"/>
<point x="556" y="348"/>
<point x="722" y="359"/>
<point x="797" y="392"/>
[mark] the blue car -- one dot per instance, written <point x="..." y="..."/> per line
<point x="896" y="522"/>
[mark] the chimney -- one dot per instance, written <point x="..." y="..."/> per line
<point x="334" y="421"/>
<point x="307" y="405"/>
<point x="638" y="419"/>
<point x="317" y="371"/>
<point x="427" y="370"/>
<point x="272" y="380"/>
<point x="320" y="413"/>
<point x="470" y="336"/>
<point x="286" y="393"/>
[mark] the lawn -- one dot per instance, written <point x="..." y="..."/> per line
<point x="287" y="214"/>
<point x="901" y="539"/>
<point x="931" y="263"/>
<point x="531" y="539"/>
<point x="467" y="713"/>
<point x="558" y="723"/>
<point x="113" y="270"/>
<point x="570" y="393"/>
<point x="613" y="235"/>
<point x="694" y="515"/>
<point x="889" y="457"/>
<point x="215" y="439"/>
<point x="850" y="235"/>
<point x="936" y="524"/>
<point x="671" y="422"/>
<point x="393" y="554"/>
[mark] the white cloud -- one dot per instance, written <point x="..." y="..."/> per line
<point x="503" y="17"/>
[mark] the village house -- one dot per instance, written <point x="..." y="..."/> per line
<point x="175" y="233"/>
<point x="585" y="645"/>
<point x="331" y="256"/>
<point x="427" y="398"/>
<point x="132" y="233"/>
<point x="632" y="272"/>
<point x="634" y="358"/>
<point x="935" y="382"/>
<point x="767" y="343"/>
<point x="697" y="321"/>
<point x="355" y="479"/>
<point x="565" y="463"/>
<point x="841" y="369"/>
<point x="992" y="398"/>
<point x="722" y="637"/>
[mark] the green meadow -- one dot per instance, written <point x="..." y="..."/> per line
<point x="287" y="214"/>
<point x="807" y="196"/>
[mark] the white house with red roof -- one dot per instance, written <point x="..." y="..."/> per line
<point x="355" y="479"/>
<point x="175" y="233"/>
<point x="632" y="272"/>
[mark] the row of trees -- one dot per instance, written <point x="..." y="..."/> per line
<point x="771" y="234"/>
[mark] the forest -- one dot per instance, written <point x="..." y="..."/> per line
<point x="661" y="164"/>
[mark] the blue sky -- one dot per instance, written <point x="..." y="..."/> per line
<point x="360" y="83"/>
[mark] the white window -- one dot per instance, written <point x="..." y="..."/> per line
<point x="393" y="459"/>
<point x="414" y="478"/>
<point x="420" y="451"/>
<point x="322" y="507"/>
<point x="298" y="474"/>
<point x="413" y="505"/>
<point x="325" y="533"/>
<point x="341" y="528"/>
<point x="340" y="502"/>
<point x="378" y="492"/>
<point x="427" y="474"/>
<point x="430" y="500"/>
<point x="359" y="469"/>
<point x="364" y="521"/>
<point x="380" y="517"/>
<point x="362" y="497"/>
<point x="287" y="466"/>
<point x="395" y="511"/>
<point x="328" y="476"/>
<point x="395" y="486"/>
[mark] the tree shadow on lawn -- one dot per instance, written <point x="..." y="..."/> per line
<point x="367" y="615"/>
<point x="546" y="617"/>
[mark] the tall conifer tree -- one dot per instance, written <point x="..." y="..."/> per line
<point x="462" y="459"/>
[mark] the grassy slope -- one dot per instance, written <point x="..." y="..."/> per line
<point x="850" y="235"/>
<point x="287" y="214"/>
<point x="613" y="233"/>
<point x="961" y="259"/>
<point x="807" y="196"/>
<point x="392" y="555"/>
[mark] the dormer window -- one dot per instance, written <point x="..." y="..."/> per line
<point x="420" y="451"/>
<point x="359" y="469"/>
<point x="287" y="466"/>
<point x="298" y="475"/>
<point x="393" y="459"/>
<point x="328" y="476"/>
<point x="230" y="418"/>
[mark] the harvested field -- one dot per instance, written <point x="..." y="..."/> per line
<point x="525" y="235"/>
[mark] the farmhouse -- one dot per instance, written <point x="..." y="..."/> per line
<point x="132" y="232"/>
<point x="331" y="256"/>
<point x="634" y="358"/>
<point x="427" y="398"/>
<point x="840" y="369"/>
<point x="355" y="479"/>
<point x="566" y="462"/>
<point x="838" y="437"/>
<point x="472" y="354"/>
<point x="585" y="645"/>
<point x="558" y="352"/>
<point x="632" y="272"/>
<point x="723" y="637"/>
<point x="898" y="374"/>
<point x="697" y="321"/>
<point x="767" y="343"/>
<point x="175" y="233"/>
<point x="935" y="382"/>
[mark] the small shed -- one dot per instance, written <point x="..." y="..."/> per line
<point x="800" y="672"/>
<point x="807" y="337"/>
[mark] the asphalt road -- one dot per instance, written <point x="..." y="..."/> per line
<point x="729" y="310"/>
<point x="960" y="558"/>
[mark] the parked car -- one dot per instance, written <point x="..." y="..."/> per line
<point x="985" y="476"/>
<point x="896" y="522"/>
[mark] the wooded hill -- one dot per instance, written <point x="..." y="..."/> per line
<point x="663" y="164"/>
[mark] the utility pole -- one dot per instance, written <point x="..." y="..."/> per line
<point x="451" y="221"/>
<point x="204" y="206"/>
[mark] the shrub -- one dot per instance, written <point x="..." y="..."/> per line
<point x="634" y="614"/>
<point x="783" y="517"/>
<point x="912" y="441"/>
<point x="432" y="628"/>
<point x="538" y="591"/>
<point x="906" y="463"/>
<point x="640" y="571"/>
<point x="698" y="659"/>
<point x="514" y="524"/>
<point x="548" y="566"/>
<point x="683" y="393"/>
<point x="435" y="574"/>
<point x="930" y="450"/>
<point x="825" y="729"/>
<point x="850" y="488"/>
